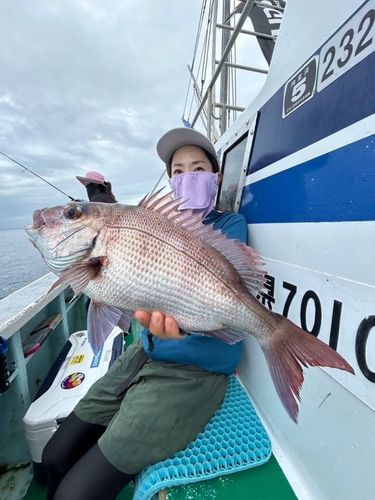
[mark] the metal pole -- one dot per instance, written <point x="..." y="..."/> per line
<point x="157" y="184"/>
<point x="268" y="6"/>
<point x="196" y="89"/>
<point x="247" y="68"/>
<point x="198" y="96"/>
<point x="214" y="134"/>
<point x="241" y="21"/>
<point x="228" y="106"/>
<point x="224" y="77"/>
<point x="211" y="93"/>
<point x="247" y="32"/>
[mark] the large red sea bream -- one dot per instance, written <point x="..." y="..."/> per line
<point x="155" y="257"/>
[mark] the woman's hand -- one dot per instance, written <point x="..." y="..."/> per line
<point x="164" y="327"/>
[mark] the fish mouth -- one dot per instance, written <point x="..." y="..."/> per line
<point x="38" y="220"/>
<point x="32" y="229"/>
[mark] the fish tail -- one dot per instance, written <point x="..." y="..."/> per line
<point x="288" y="350"/>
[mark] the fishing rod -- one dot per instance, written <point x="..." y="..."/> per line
<point x="36" y="175"/>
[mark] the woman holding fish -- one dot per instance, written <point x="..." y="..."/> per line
<point x="165" y="388"/>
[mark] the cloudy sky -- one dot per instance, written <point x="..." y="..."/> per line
<point x="91" y="85"/>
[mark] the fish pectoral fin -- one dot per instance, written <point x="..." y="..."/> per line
<point x="78" y="276"/>
<point x="54" y="286"/>
<point x="290" y="348"/>
<point x="227" y="335"/>
<point x="125" y="320"/>
<point x="101" y="320"/>
<point x="103" y="260"/>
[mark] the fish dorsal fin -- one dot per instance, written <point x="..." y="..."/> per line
<point x="243" y="258"/>
<point x="169" y="207"/>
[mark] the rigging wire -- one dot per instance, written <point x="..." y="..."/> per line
<point x="36" y="175"/>
<point x="205" y="53"/>
<point x="203" y="9"/>
<point x="204" y="59"/>
<point x="199" y="32"/>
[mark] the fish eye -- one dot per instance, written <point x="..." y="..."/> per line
<point x="73" y="212"/>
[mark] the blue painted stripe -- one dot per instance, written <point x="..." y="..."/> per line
<point x="335" y="187"/>
<point x="347" y="100"/>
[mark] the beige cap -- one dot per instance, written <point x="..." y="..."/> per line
<point x="182" y="136"/>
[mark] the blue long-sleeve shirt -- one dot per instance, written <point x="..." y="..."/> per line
<point x="206" y="352"/>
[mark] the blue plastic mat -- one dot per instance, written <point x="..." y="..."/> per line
<point x="233" y="440"/>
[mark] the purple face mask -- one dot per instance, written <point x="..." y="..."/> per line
<point x="197" y="190"/>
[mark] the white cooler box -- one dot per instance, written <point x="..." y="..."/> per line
<point x="72" y="374"/>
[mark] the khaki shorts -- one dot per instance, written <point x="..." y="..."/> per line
<point x="164" y="409"/>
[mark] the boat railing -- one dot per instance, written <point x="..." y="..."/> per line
<point x="19" y="307"/>
<point x="21" y="315"/>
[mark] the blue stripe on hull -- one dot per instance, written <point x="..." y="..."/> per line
<point x="347" y="100"/>
<point x="335" y="187"/>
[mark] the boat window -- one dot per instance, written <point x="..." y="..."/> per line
<point x="232" y="166"/>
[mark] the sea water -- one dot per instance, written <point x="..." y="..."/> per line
<point x="20" y="261"/>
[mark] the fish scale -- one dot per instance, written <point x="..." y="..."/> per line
<point x="158" y="257"/>
<point x="165" y="263"/>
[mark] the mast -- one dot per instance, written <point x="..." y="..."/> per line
<point x="225" y="53"/>
<point x="209" y="110"/>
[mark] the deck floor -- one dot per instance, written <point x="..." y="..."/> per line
<point x="266" y="482"/>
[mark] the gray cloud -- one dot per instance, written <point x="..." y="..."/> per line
<point x="88" y="85"/>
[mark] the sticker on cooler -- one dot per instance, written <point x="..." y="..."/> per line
<point x="73" y="380"/>
<point x="78" y="359"/>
